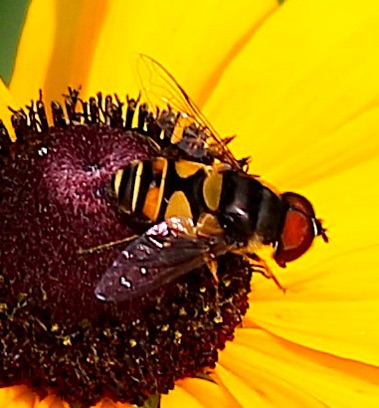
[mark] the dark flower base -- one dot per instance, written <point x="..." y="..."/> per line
<point x="55" y="336"/>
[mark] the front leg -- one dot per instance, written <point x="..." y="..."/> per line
<point x="261" y="266"/>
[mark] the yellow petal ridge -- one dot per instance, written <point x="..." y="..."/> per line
<point x="188" y="41"/>
<point x="56" y="47"/>
<point x="295" y="86"/>
<point x="279" y="369"/>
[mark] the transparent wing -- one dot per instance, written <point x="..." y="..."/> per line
<point x="161" y="88"/>
<point x="163" y="253"/>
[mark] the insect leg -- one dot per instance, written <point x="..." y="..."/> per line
<point x="107" y="245"/>
<point x="212" y="266"/>
<point x="261" y="266"/>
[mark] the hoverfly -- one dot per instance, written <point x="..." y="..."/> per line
<point x="197" y="202"/>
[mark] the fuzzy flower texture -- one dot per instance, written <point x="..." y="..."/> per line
<point x="303" y="101"/>
<point x="80" y="347"/>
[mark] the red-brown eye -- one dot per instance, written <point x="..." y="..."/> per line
<point x="299" y="229"/>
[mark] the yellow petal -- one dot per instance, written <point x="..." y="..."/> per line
<point x="283" y="374"/>
<point x="208" y="393"/>
<point x="293" y="90"/>
<point x="246" y="394"/>
<point x="34" y="51"/>
<point x="17" y="397"/>
<point x="194" y="42"/>
<point x="348" y="202"/>
<point x="332" y="299"/>
<point x="352" y="143"/>
<point x="107" y="403"/>
<point x="51" y="401"/>
<point x="180" y="397"/>
<point x="56" y="47"/>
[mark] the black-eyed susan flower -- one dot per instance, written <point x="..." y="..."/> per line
<point x="298" y="84"/>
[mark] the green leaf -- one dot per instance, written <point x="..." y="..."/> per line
<point x="153" y="401"/>
<point x="205" y="376"/>
<point x="12" y="17"/>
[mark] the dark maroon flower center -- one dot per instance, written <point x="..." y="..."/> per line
<point x="55" y="335"/>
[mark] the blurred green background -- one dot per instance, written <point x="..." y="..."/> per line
<point x="12" y="17"/>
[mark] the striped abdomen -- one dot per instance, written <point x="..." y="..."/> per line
<point x="160" y="188"/>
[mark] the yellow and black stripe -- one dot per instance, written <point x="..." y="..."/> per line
<point x="160" y="188"/>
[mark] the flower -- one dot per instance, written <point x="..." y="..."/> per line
<point x="301" y="79"/>
<point x="55" y="211"/>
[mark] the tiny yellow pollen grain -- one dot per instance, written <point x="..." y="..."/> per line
<point x="67" y="341"/>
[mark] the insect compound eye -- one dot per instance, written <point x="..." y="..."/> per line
<point x="299" y="229"/>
